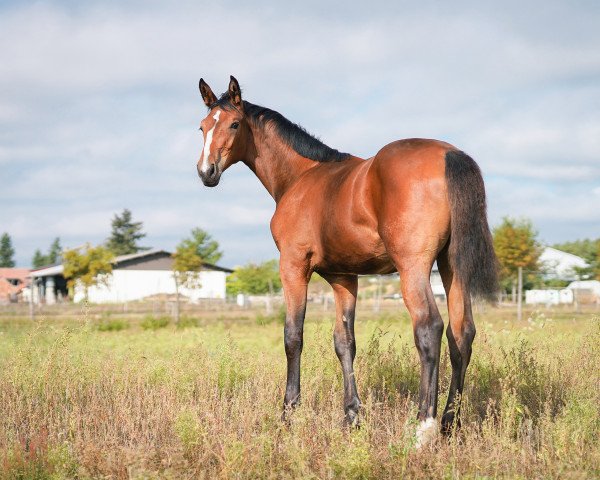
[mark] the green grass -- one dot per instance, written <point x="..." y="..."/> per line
<point x="202" y="399"/>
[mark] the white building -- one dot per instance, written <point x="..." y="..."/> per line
<point x="561" y="265"/>
<point x="549" y="297"/>
<point x="134" y="277"/>
<point x="437" y="287"/>
<point x="586" y="291"/>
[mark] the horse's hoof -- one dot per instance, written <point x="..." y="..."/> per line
<point x="352" y="420"/>
<point x="450" y="423"/>
<point x="427" y="432"/>
<point x="286" y="414"/>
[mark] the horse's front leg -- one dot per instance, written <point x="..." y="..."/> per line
<point x="294" y="279"/>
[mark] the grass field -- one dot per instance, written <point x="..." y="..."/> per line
<point x="140" y="398"/>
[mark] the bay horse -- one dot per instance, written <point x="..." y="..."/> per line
<point x="416" y="201"/>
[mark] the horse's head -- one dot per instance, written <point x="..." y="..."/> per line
<point x="225" y="132"/>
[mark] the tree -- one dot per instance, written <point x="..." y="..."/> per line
<point x="206" y="247"/>
<point x="254" y="279"/>
<point x="125" y="234"/>
<point x="54" y="255"/>
<point x="516" y="246"/>
<point x="587" y="249"/>
<point x="55" y="252"/>
<point x="188" y="261"/>
<point x="7" y="252"/>
<point x="39" y="259"/>
<point x="87" y="266"/>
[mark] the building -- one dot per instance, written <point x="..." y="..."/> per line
<point x="561" y="265"/>
<point x="586" y="291"/>
<point x="437" y="286"/>
<point x="557" y="265"/>
<point x="12" y="283"/>
<point x="134" y="277"/>
<point x="549" y="297"/>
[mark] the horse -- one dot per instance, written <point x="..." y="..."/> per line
<point x="415" y="202"/>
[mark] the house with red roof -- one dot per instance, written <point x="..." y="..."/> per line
<point x="12" y="283"/>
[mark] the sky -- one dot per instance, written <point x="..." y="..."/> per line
<point x="99" y="107"/>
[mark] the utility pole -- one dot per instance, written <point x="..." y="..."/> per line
<point x="520" y="295"/>
<point x="378" y="295"/>
<point x="270" y="297"/>
<point x="31" y="287"/>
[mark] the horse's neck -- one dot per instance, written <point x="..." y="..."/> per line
<point x="276" y="164"/>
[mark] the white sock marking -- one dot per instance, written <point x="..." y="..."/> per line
<point x="209" y="135"/>
<point x="426" y="432"/>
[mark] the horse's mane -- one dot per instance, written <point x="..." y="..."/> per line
<point x="291" y="133"/>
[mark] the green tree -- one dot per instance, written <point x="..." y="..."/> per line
<point x="206" y="247"/>
<point x="254" y="279"/>
<point x="39" y="259"/>
<point x="7" y="252"/>
<point x="125" y="234"/>
<point x="587" y="249"/>
<point x="516" y="245"/>
<point x="87" y="266"/>
<point x="55" y="252"/>
<point x="53" y="257"/>
<point x="188" y="261"/>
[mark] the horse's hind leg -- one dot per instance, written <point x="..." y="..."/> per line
<point x="344" y="290"/>
<point x="460" y="333"/>
<point x="427" y="327"/>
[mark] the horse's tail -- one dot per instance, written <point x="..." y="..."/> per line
<point x="471" y="250"/>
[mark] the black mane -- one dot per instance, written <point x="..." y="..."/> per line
<point x="291" y="133"/>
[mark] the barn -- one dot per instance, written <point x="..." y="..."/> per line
<point x="13" y="281"/>
<point x="134" y="277"/>
<point x="561" y="265"/>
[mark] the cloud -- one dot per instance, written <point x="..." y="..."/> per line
<point x="99" y="106"/>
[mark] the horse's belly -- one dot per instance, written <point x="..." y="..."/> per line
<point x="354" y="252"/>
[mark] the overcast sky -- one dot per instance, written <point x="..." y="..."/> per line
<point x="99" y="107"/>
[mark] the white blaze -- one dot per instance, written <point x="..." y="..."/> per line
<point x="207" y="143"/>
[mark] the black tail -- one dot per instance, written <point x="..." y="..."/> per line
<point x="471" y="250"/>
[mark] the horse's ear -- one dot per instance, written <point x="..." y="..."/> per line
<point x="207" y="94"/>
<point x="235" y="92"/>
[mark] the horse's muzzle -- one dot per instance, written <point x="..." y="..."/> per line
<point x="211" y="177"/>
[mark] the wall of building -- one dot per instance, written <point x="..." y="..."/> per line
<point x="128" y="285"/>
<point x="549" y="297"/>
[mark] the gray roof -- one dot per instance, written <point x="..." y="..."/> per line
<point x="53" y="270"/>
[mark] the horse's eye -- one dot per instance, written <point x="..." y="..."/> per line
<point x="235" y="125"/>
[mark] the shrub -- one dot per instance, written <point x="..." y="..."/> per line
<point x="151" y="322"/>
<point x="187" y="322"/>
<point x="112" y="325"/>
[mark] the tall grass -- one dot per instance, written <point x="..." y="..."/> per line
<point x="205" y="403"/>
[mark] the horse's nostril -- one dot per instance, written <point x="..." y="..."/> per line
<point x="212" y="170"/>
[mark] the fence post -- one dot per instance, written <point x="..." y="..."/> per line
<point x="520" y="295"/>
